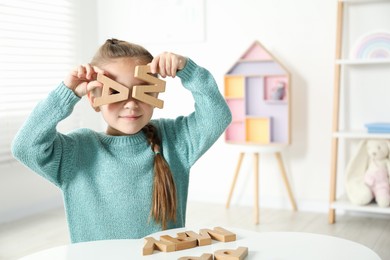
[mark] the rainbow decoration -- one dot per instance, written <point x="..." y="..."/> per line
<point x="374" y="45"/>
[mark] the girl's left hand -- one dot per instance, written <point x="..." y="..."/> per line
<point x="167" y="64"/>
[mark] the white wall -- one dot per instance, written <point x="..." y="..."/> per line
<point x="301" y="34"/>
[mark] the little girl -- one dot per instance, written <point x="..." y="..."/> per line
<point x="133" y="179"/>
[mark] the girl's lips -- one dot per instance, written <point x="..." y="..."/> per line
<point x="130" y="117"/>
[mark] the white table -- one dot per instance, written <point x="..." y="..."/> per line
<point x="261" y="245"/>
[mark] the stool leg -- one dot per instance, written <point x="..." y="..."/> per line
<point x="235" y="179"/>
<point x="286" y="183"/>
<point x="256" y="188"/>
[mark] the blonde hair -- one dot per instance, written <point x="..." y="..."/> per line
<point x="164" y="202"/>
<point x="114" y="48"/>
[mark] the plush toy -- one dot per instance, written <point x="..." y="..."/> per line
<point x="278" y="91"/>
<point x="368" y="173"/>
<point x="377" y="173"/>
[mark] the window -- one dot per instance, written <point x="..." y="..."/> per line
<point x="37" y="50"/>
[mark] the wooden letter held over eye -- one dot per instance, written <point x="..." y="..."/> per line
<point x="106" y="97"/>
<point x="140" y="92"/>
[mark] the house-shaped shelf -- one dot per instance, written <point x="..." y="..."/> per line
<point x="257" y="90"/>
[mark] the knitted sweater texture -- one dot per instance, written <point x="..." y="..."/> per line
<point x="107" y="181"/>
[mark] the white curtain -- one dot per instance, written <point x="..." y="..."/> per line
<point x="38" y="40"/>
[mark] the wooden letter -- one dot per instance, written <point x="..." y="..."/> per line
<point x="140" y="92"/>
<point x="220" y="234"/>
<point x="106" y="97"/>
<point x="237" y="254"/>
<point x="151" y="244"/>
<point x="181" y="242"/>
<point x="202" y="257"/>
<point x="203" y="238"/>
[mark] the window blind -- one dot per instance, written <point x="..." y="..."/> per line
<point x="37" y="50"/>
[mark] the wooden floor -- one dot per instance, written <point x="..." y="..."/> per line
<point x="48" y="230"/>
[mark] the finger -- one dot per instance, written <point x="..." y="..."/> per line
<point x="96" y="71"/>
<point x="153" y="65"/>
<point x="89" y="71"/>
<point x="92" y="85"/>
<point x="161" y="66"/>
<point x="182" y="62"/>
<point x="168" y="64"/>
<point x="81" y="72"/>
<point x="71" y="79"/>
<point x="174" y="67"/>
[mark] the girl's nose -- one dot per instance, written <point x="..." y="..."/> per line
<point x="131" y="103"/>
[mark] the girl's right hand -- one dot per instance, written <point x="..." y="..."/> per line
<point x="82" y="79"/>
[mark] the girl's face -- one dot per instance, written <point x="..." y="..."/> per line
<point x="129" y="116"/>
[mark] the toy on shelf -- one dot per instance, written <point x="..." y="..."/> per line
<point x="278" y="91"/>
<point x="144" y="93"/>
<point x="378" y="128"/>
<point x="374" y="45"/>
<point x="368" y="173"/>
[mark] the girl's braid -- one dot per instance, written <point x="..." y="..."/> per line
<point x="152" y="136"/>
<point x="164" y="191"/>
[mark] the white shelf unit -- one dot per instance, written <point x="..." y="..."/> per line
<point x="362" y="62"/>
<point x="344" y="132"/>
<point x="342" y="203"/>
<point x="359" y="135"/>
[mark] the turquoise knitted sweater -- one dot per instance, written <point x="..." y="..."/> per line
<point x="107" y="181"/>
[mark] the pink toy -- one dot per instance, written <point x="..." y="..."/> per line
<point x="368" y="173"/>
<point x="377" y="174"/>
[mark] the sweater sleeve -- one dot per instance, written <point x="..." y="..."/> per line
<point x="37" y="144"/>
<point x="196" y="133"/>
